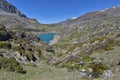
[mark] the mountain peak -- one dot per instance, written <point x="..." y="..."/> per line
<point x="9" y="8"/>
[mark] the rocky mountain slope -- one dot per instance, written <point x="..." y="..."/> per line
<point x="19" y="45"/>
<point x="7" y="7"/>
<point x="12" y="18"/>
<point x="107" y="14"/>
<point x="93" y="19"/>
<point x="89" y="45"/>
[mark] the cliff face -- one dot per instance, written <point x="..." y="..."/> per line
<point x="7" y="7"/>
<point x="14" y="19"/>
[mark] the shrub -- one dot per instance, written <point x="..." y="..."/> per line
<point x="18" y="48"/>
<point x="87" y="59"/>
<point x="98" y="68"/>
<point x="11" y="64"/>
<point x="30" y="56"/>
<point x="117" y="42"/>
<point x="19" y="69"/>
<point x="107" y="24"/>
<point x="5" y="45"/>
<point x="71" y="65"/>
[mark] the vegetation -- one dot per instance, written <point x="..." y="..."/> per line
<point x="108" y="24"/>
<point x="5" y="45"/>
<point x="11" y="64"/>
<point x="98" y="68"/>
<point x="18" y="48"/>
<point x="79" y="48"/>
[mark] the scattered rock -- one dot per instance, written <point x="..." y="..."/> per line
<point x="50" y="49"/>
<point x="119" y="63"/>
<point x="1" y="55"/>
<point x="84" y="73"/>
<point x="107" y="73"/>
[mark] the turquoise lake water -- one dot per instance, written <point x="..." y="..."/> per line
<point x="47" y="37"/>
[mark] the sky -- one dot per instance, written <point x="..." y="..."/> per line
<point x="53" y="11"/>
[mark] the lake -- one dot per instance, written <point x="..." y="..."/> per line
<point x="47" y="37"/>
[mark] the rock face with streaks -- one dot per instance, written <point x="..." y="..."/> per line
<point x="12" y="18"/>
<point x="7" y="7"/>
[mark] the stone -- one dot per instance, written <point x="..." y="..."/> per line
<point x="119" y="63"/>
<point x="4" y="35"/>
<point x="50" y="49"/>
<point x="1" y="55"/>
<point x="107" y="73"/>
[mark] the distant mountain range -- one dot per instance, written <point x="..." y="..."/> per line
<point x="106" y="14"/>
<point x="12" y="18"/>
<point x="92" y="19"/>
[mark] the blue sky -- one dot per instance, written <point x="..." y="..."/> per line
<point x="52" y="11"/>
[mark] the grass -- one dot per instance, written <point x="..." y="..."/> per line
<point x="10" y="64"/>
<point x="5" y="45"/>
<point x="44" y="72"/>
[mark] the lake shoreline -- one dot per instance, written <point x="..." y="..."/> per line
<point x="49" y="38"/>
<point x="55" y="39"/>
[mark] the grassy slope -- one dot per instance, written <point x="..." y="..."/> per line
<point x="44" y="72"/>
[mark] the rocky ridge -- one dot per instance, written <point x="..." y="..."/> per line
<point x="12" y="18"/>
<point x="7" y="7"/>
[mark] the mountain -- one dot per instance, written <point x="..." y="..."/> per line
<point x="12" y="18"/>
<point x="90" y="41"/>
<point x="19" y="43"/>
<point x="88" y="47"/>
<point x="9" y="8"/>
<point x="92" y="20"/>
<point x="106" y="14"/>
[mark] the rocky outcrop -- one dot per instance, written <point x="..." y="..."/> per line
<point x="25" y="35"/>
<point x="12" y="18"/>
<point x="4" y="35"/>
<point x="7" y="35"/>
<point x="19" y="45"/>
<point x="7" y="7"/>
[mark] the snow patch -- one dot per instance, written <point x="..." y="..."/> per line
<point x="73" y="18"/>
<point x="113" y="7"/>
<point x="103" y="10"/>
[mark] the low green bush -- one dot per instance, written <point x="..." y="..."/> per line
<point x="71" y="65"/>
<point x="18" y="48"/>
<point x="117" y="42"/>
<point x="11" y="64"/>
<point x="98" y="68"/>
<point x="5" y="45"/>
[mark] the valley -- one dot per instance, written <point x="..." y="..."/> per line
<point x="83" y="48"/>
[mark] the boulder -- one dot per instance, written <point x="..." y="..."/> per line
<point x="1" y="55"/>
<point x="107" y="73"/>
<point x="50" y="49"/>
<point x="4" y="35"/>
